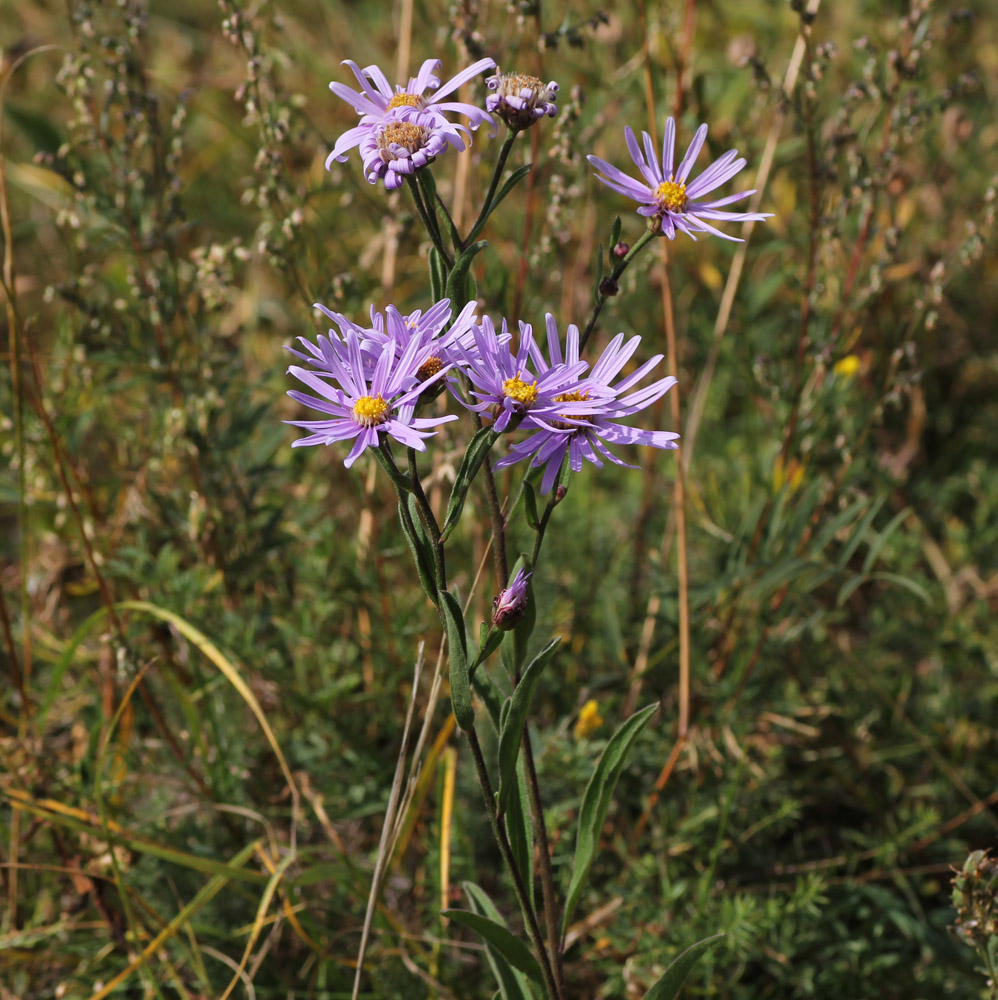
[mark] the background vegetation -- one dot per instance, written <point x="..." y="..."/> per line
<point x="167" y="561"/>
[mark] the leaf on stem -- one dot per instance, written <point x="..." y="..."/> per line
<point x="419" y="544"/>
<point x="596" y="803"/>
<point x="507" y="971"/>
<point x="478" y="448"/>
<point x="668" y="987"/>
<point x="457" y="642"/>
<point x="512" y="727"/>
<point x="456" y="288"/>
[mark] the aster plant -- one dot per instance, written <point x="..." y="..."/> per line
<point x="542" y="411"/>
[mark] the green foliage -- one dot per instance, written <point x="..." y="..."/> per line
<point x="171" y="224"/>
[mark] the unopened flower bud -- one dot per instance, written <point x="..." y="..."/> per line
<point x="510" y="605"/>
<point x="559" y="494"/>
<point x="621" y="249"/>
<point x="608" y="287"/>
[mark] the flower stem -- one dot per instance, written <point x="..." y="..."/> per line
<point x="428" y="221"/>
<point x="499" y="831"/>
<point x="646" y="237"/>
<point x="507" y="146"/>
<point x="428" y="520"/>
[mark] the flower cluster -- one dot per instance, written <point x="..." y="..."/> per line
<point x="404" y="129"/>
<point x="371" y="380"/>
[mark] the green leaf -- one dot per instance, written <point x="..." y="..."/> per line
<point x="511" y="182"/>
<point x="860" y="531"/>
<point x="489" y="694"/>
<point x="520" y="830"/>
<point x="479" y="446"/>
<point x="514" y="985"/>
<point x="530" y="501"/>
<point x="596" y="803"/>
<point x="456" y="288"/>
<point x="892" y="525"/>
<point x="615" y="232"/>
<point x="438" y="274"/>
<point x="457" y="642"/>
<point x="419" y="544"/>
<point x="507" y="944"/>
<point x="489" y="642"/>
<point x="512" y="730"/>
<point x="668" y="987"/>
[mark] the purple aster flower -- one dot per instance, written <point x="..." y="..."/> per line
<point x="364" y="407"/>
<point x="393" y="149"/>
<point x="519" y="100"/>
<point x="503" y="382"/>
<point x="449" y="339"/>
<point x="589" y="413"/>
<point x="377" y="98"/>
<point x="509" y="605"/>
<point x="663" y="191"/>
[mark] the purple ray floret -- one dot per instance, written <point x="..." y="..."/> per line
<point x="666" y="193"/>
<point x="589" y="414"/>
<point x="364" y="406"/>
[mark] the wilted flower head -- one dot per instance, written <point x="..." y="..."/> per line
<point x="362" y="406"/>
<point x="975" y="896"/>
<point x="586" y="415"/>
<point x="663" y="191"/>
<point x="519" y="100"/>
<point x="509" y="606"/>
<point x="393" y="150"/>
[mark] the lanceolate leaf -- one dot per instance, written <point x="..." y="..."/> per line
<point x="596" y="803"/>
<point x="419" y="544"/>
<point x="460" y="685"/>
<point x="668" y="987"/>
<point x="478" y="448"/>
<point x="521" y="831"/>
<point x="512" y="729"/>
<point x="513" y="983"/>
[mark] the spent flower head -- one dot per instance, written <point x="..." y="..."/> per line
<point x="519" y="99"/>
<point x="668" y="197"/>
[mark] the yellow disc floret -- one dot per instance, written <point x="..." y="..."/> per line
<point x="516" y="388"/>
<point x="671" y="196"/>
<point x="369" y="411"/>
<point x="404" y="100"/>
<point x="571" y="397"/>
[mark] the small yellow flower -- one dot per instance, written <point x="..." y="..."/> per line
<point x="792" y="475"/>
<point x="847" y="366"/>
<point x="589" y="720"/>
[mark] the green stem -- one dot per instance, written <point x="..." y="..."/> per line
<point x="507" y="146"/>
<point x="646" y="237"/>
<point x="499" y="832"/>
<point x="429" y="223"/>
<point x="428" y="520"/>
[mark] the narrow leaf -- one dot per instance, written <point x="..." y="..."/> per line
<point x="478" y="448"/>
<point x="460" y="685"/>
<point x="456" y="288"/>
<point x="512" y="730"/>
<point x="503" y="941"/>
<point x="596" y="803"/>
<point x="420" y="547"/>
<point x="438" y="274"/>
<point x="512" y="982"/>
<point x="521" y="831"/>
<point x="668" y="987"/>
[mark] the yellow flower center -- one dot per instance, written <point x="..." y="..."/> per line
<point x="369" y="411"/>
<point x="517" y="389"/>
<point x="412" y="137"/>
<point x="404" y="100"/>
<point x="572" y="397"/>
<point x="671" y="196"/>
<point x="429" y="368"/>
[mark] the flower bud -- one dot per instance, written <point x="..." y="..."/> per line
<point x="608" y="287"/>
<point x="621" y="249"/>
<point x="510" y="605"/>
